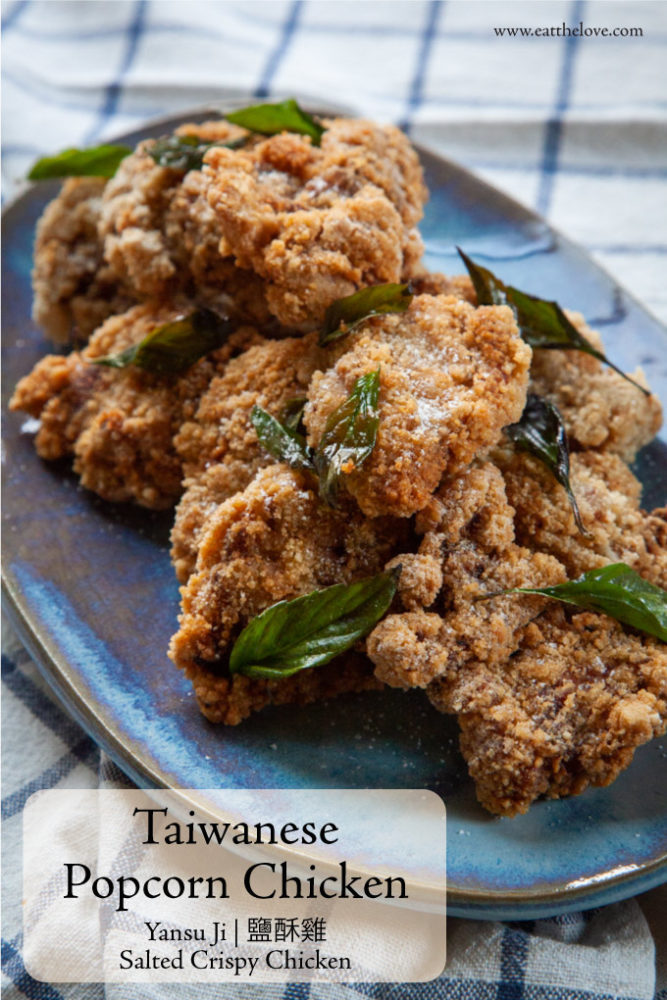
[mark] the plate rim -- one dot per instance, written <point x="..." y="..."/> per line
<point x="521" y="903"/>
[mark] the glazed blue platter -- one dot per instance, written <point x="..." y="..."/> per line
<point x="92" y="593"/>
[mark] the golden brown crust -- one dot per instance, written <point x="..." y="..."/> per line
<point x="219" y="447"/>
<point x="600" y="409"/>
<point x="229" y="700"/>
<point x="567" y="711"/>
<point x="119" y="424"/>
<point x="451" y="377"/>
<point x="74" y="290"/>
<point x="316" y="223"/>
<point x="469" y="550"/>
<point x="548" y="701"/>
<point x="272" y="542"/>
<point x="608" y="497"/>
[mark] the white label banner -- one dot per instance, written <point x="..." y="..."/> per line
<point x="226" y="885"/>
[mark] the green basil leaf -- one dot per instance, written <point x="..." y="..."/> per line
<point x="541" y="432"/>
<point x="541" y="323"/>
<point x="270" y="119"/>
<point x="99" y="161"/>
<point x="292" y="413"/>
<point x="309" y="631"/>
<point x="186" y="152"/>
<point x="617" y="591"/>
<point x="349" y="435"/>
<point x="345" y="314"/>
<point x="174" y="347"/>
<point x="281" y="441"/>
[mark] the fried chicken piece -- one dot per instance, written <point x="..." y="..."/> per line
<point x="229" y="700"/>
<point x="160" y="236"/>
<point x="425" y="282"/>
<point x="567" y="711"/>
<point x="317" y="223"/>
<point x="451" y="377"/>
<point x="73" y="288"/>
<point x="608" y="497"/>
<point x="219" y="447"/>
<point x="119" y="423"/>
<point x="467" y="552"/>
<point x="600" y="409"/>
<point x="272" y="542"/>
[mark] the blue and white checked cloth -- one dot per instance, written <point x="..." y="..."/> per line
<point x="572" y="126"/>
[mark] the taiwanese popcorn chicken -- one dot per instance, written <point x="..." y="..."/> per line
<point x="566" y="711"/>
<point x="468" y="551"/>
<point x="219" y="447"/>
<point x="119" y="423"/>
<point x="159" y="234"/>
<point x="549" y="699"/>
<point x="600" y="409"/>
<point x="273" y="541"/>
<point x="74" y="288"/>
<point x="451" y="377"/>
<point x="608" y="498"/>
<point x="316" y="223"/>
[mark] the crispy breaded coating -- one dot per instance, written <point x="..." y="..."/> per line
<point x="600" y="409"/>
<point x="451" y="377"/>
<point x="229" y="700"/>
<point x="316" y="223"/>
<point x="608" y="497"/>
<point x="74" y="290"/>
<point x="425" y="282"/>
<point x="567" y="711"/>
<point x="160" y="236"/>
<point x="274" y="541"/>
<point x="467" y="552"/>
<point x="119" y="423"/>
<point x="219" y="447"/>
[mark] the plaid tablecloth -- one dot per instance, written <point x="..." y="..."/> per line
<point x="573" y="125"/>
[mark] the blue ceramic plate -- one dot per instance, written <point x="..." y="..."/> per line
<point x="91" y="589"/>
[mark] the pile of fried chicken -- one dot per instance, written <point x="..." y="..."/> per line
<point x="549" y="698"/>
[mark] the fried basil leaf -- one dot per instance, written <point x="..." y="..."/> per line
<point x="541" y="323"/>
<point x="271" y="119"/>
<point x="617" y="591"/>
<point x="186" y="152"/>
<point x="292" y="413"/>
<point x="349" y="435"/>
<point x="174" y="347"/>
<point x="99" y="161"/>
<point x="541" y="432"/>
<point x="344" y="314"/>
<point x="282" y="441"/>
<point x="309" y="631"/>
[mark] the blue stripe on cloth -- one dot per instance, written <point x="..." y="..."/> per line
<point x="14" y="14"/>
<point x="96" y="34"/>
<point x="297" y="991"/>
<point x="657" y="248"/>
<point x="417" y="85"/>
<point x="47" y="95"/>
<point x="113" y="91"/>
<point x="278" y="54"/>
<point x="84" y="752"/>
<point x="584" y="170"/>
<point x="41" y="706"/>
<point x="12" y="966"/>
<point x="513" y="955"/>
<point x="554" y="127"/>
